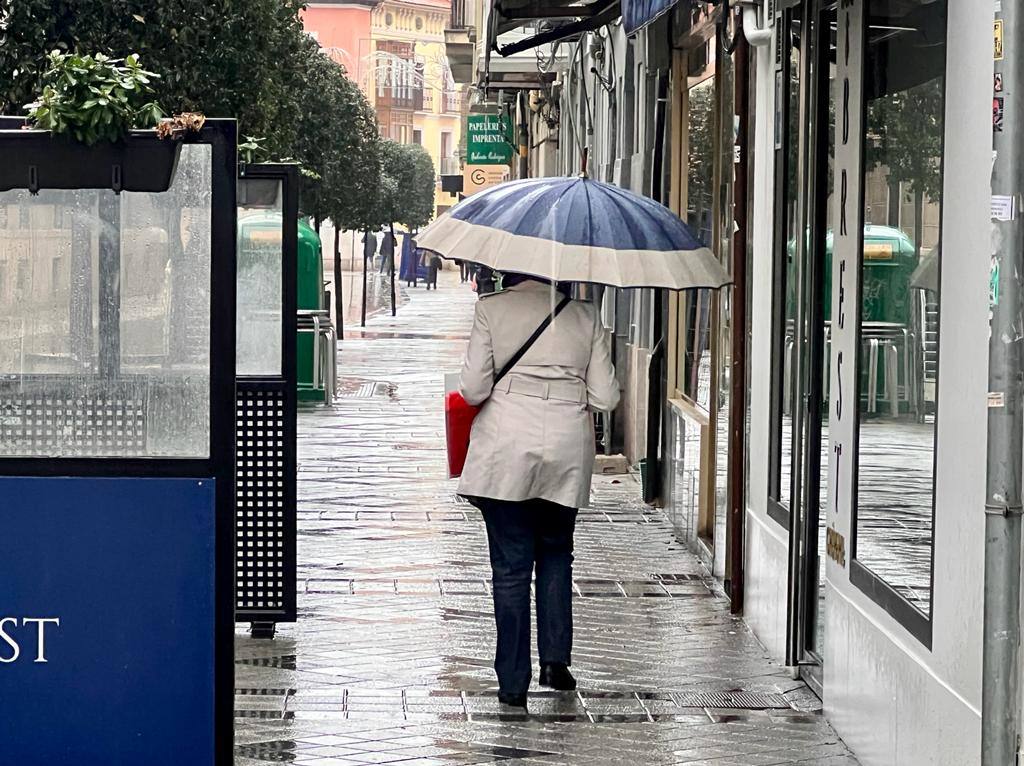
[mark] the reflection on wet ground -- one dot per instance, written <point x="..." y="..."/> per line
<point x="390" y="661"/>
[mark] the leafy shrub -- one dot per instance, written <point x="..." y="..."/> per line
<point x="94" y="98"/>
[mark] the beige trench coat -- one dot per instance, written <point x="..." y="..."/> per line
<point x="534" y="437"/>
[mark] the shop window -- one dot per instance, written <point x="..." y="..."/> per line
<point x="897" y="364"/>
<point x="693" y="328"/>
<point x="785" y="267"/>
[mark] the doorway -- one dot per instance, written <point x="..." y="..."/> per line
<point x="804" y="126"/>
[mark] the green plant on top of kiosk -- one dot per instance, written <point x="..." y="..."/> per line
<point x="94" y="98"/>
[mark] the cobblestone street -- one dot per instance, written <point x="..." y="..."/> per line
<point x="390" y="661"/>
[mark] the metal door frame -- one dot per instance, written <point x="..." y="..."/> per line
<point x="808" y="405"/>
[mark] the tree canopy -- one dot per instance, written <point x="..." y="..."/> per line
<point x="344" y="157"/>
<point x="248" y="59"/>
<point x="408" y="184"/>
<point x="905" y="135"/>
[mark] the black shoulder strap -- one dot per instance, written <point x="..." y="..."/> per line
<point x="531" y="340"/>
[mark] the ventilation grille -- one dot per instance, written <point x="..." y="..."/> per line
<point x="260" y="501"/>
<point x="42" y="417"/>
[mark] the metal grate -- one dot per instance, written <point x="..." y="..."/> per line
<point x="260" y="501"/>
<point x="42" y="416"/>
<point x="354" y="389"/>
<point x="737" y="700"/>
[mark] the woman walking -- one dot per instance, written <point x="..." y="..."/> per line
<point x="530" y="462"/>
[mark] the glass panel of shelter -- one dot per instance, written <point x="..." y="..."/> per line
<point x="105" y="343"/>
<point x="260" y="261"/>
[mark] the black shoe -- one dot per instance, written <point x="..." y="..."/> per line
<point x="557" y="676"/>
<point x="513" y="700"/>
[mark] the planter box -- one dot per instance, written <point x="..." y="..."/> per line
<point x="140" y="162"/>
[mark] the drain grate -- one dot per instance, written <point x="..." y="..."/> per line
<point x="354" y="389"/>
<point x="737" y="700"/>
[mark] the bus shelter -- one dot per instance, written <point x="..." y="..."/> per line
<point x="117" y="428"/>
<point x="265" y="366"/>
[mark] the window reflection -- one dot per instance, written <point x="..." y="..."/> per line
<point x="899" y="328"/>
<point x="695" y="305"/>
<point x="790" y="352"/>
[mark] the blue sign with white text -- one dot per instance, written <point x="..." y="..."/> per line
<point x="107" y="621"/>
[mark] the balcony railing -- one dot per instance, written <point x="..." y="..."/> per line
<point x="400" y="97"/>
<point x="451" y="101"/>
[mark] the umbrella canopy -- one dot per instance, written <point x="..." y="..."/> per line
<point x="575" y="230"/>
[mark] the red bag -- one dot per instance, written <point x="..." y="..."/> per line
<point x="458" y="422"/>
<point x="459" y="414"/>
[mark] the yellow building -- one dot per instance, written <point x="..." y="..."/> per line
<point x="410" y="84"/>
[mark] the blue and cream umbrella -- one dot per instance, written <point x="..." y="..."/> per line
<point x="575" y="230"/>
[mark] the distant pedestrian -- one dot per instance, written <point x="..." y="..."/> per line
<point x="432" y="262"/>
<point x="530" y="462"/>
<point x="387" y="251"/>
<point x="369" y="246"/>
<point x="410" y="260"/>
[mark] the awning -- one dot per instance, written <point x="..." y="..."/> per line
<point x="639" y="13"/>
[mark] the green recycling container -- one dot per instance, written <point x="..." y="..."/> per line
<point x="889" y="262"/>
<point x="310" y="298"/>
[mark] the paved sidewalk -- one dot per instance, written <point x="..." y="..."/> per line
<point x="390" y="660"/>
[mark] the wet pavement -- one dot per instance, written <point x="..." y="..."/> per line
<point x="390" y="661"/>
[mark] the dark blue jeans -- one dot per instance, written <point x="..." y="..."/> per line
<point x="521" y="536"/>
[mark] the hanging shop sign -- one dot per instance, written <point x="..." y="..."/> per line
<point x="476" y="178"/>
<point x="489" y="139"/>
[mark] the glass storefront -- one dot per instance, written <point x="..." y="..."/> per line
<point x="904" y="81"/>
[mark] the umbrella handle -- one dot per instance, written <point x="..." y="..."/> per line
<point x="583" y="161"/>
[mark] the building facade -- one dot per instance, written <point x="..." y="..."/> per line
<point x="342" y="28"/>
<point x="410" y="82"/>
<point x="395" y="51"/>
<point x="817" y="431"/>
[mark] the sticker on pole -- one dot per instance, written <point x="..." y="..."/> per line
<point x="1003" y="207"/>
<point x="997" y="43"/>
<point x="993" y="283"/>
